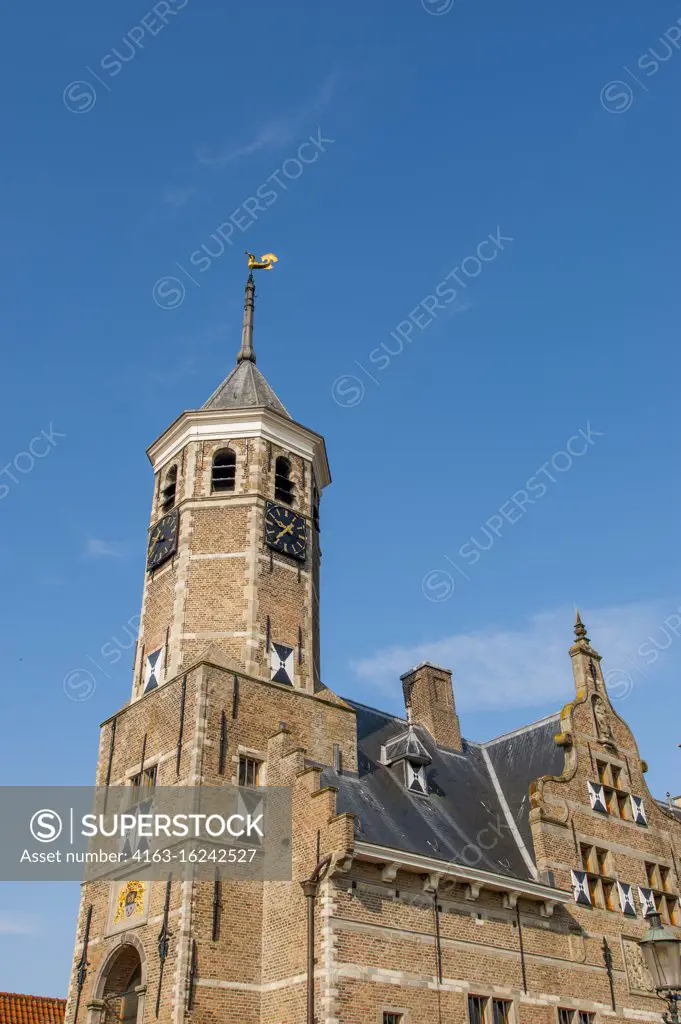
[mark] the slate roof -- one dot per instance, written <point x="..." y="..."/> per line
<point x="672" y="809"/>
<point x="477" y="812"/>
<point x="245" y="387"/>
<point x="20" y="1009"/>
<point x="518" y="759"/>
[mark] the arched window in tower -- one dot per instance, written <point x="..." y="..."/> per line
<point x="223" y="474"/>
<point x="169" y="490"/>
<point x="283" y="485"/>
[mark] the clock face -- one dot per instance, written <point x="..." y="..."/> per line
<point x="285" y="531"/>
<point x="163" y="540"/>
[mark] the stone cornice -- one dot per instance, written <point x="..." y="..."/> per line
<point x="225" y="424"/>
<point x="475" y="878"/>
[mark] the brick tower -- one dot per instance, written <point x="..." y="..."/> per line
<point x="226" y="691"/>
<point x="221" y="570"/>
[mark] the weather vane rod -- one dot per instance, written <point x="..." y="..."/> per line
<point x="266" y="262"/>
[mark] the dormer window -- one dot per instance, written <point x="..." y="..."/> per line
<point x="283" y="485"/>
<point x="408" y="756"/>
<point x="169" y="490"/>
<point x="416" y="777"/>
<point x="223" y="474"/>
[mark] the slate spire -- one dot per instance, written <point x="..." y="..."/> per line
<point x="245" y="385"/>
<point x="247" y="352"/>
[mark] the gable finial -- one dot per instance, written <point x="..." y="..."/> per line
<point x="580" y="628"/>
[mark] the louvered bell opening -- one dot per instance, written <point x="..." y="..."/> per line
<point x="283" y="485"/>
<point x="169" y="491"/>
<point x="224" y="471"/>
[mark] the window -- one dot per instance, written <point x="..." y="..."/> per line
<point x="653" y="876"/>
<point x="416" y="777"/>
<point x="283" y="485"/>
<point x="389" y="1017"/>
<point x="483" y="1010"/>
<point x="666" y="904"/>
<point x="249" y="771"/>
<point x="501" y="1011"/>
<point x="623" y="806"/>
<point x="602" y="888"/>
<point x="143" y="784"/>
<point x="476" y="1009"/>
<point x="610" y="895"/>
<point x="575" y="1016"/>
<point x="169" y="490"/>
<point x="615" y="798"/>
<point x="223" y="473"/>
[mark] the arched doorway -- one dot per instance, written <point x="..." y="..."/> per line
<point x="121" y="987"/>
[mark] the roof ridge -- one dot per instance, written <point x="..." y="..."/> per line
<point x="521" y="729"/>
<point x="369" y="707"/>
<point x="27" y="995"/>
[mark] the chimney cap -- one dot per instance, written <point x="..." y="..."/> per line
<point x="426" y="664"/>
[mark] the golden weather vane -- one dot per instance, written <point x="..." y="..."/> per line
<point x="265" y="262"/>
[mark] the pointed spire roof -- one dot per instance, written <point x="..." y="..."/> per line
<point x="580" y="628"/>
<point x="407" y="746"/>
<point x="245" y="386"/>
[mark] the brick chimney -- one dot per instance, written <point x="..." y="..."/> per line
<point x="429" y="693"/>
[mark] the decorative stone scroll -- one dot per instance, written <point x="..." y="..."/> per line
<point x="638" y="976"/>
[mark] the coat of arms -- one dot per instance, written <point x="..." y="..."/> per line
<point x="130" y="901"/>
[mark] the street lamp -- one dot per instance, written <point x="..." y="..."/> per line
<point x="662" y="951"/>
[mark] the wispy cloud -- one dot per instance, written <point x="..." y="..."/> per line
<point x="19" y="924"/>
<point x="497" y="667"/>
<point x="177" y="197"/>
<point x="276" y="133"/>
<point x="96" y="548"/>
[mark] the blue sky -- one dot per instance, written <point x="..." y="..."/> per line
<point x="554" y="127"/>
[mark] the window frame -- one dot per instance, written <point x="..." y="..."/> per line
<point x="143" y="783"/>
<point x="483" y="1001"/>
<point x="248" y="760"/>
<point x="571" y="1015"/>
<point x="285" y="495"/>
<point x="398" y="1016"/>
<point x="600" y="877"/>
<point x="507" y="1015"/>
<point x="415" y="772"/>
<point x="488" y="1006"/>
<point x="658" y="880"/>
<point x="231" y="465"/>
<point x="168" y="495"/>
<point x="617" y="799"/>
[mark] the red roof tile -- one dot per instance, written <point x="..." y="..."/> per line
<point x="19" y="1009"/>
